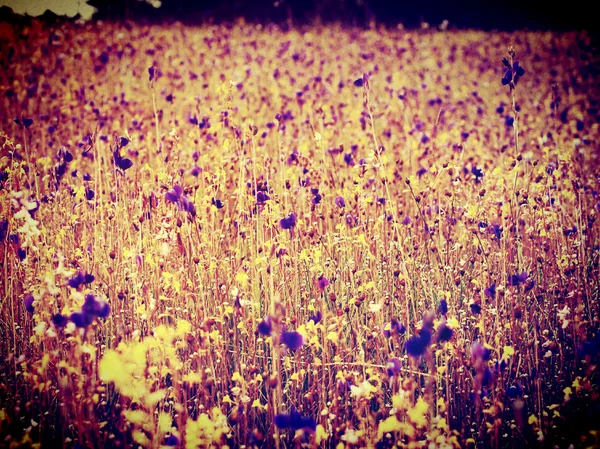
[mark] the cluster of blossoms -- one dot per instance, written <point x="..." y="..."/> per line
<point x="182" y="202"/>
<point x="92" y="308"/>
<point x="513" y="71"/>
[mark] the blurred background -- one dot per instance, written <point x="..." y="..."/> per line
<point x="499" y="14"/>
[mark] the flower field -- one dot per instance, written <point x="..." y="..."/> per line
<point x="243" y="236"/>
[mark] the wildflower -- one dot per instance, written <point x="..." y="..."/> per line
<point x="443" y="307"/>
<point x="121" y="162"/>
<point x="570" y="232"/>
<point x="151" y="73"/>
<point x="417" y="345"/>
<point x="288" y="222"/>
<point x="518" y="278"/>
<point x="475" y="308"/>
<point x="21" y="254"/>
<point x="339" y="201"/>
<point x="217" y="203"/>
<point x="406" y="221"/>
<point x="175" y="194"/>
<point x="513" y="73"/>
<point x="359" y="82"/>
<point x="323" y="282"/>
<point x="497" y="231"/>
<point x="181" y="201"/>
<point x="393" y="366"/>
<point x="317" y="197"/>
<point x="171" y="440"/>
<point x="59" y="320"/>
<point x="265" y="327"/>
<point x="123" y="141"/>
<point x="490" y="292"/>
<point x="514" y="391"/>
<point x="351" y="220"/>
<point x="295" y="421"/>
<point x="80" y="278"/>
<point x="421" y="171"/>
<point x="478" y="173"/>
<point x="292" y="339"/>
<point x="349" y="159"/>
<point x="316" y="319"/>
<point x="293" y="157"/>
<point x="28" y="303"/>
<point x="262" y="197"/>
<point x="89" y="194"/>
<point x="24" y="121"/>
<point x="444" y="333"/>
<point x="81" y="319"/>
<point x="196" y="171"/>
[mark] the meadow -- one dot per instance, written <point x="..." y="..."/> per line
<point x="235" y="235"/>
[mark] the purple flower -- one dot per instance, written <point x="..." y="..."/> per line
<point x="294" y="421"/>
<point x="351" y="220"/>
<point x="317" y="197"/>
<point x="444" y="333"/>
<point x="490" y="292"/>
<point x="59" y="320"/>
<point x="95" y="307"/>
<point x="518" y="278"/>
<point x="417" y="345"/>
<point x="77" y="280"/>
<point x="339" y="201"/>
<point x="477" y="172"/>
<point x="514" y="391"/>
<point x="262" y="197"/>
<point x="196" y="171"/>
<point x="151" y="73"/>
<point x="393" y="366"/>
<point x="81" y="319"/>
<point x="323" y="282"/>
<point x="475" y="308"/>
<point x="102" y="309"/>
<point x="89" y="194"/>
<point x="24" y="121"/>
<point x="406" y="221"/>
<point x="421" y="171"/>
<point x="217" y="203"/>
<point x="349" y="159"/>
<point x="497" y="231"/>
<point x="121" y="162"/>
<point x="288" y="222"/>
<point x="292" y="339"/>
<point x="181" y="201"/>
<point x="316" y="318"/>
<point x="443" y="307"/>
<point x="21" y="254"/>
<point x="174" y="195"/>
<point x="123" y="141"/>
<point x="171" y="440"/>
<point x="359" y="82"/>
<point x="265" y="327"/>
<point x="3" y="229"/>
<point x="28" y="302"/>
